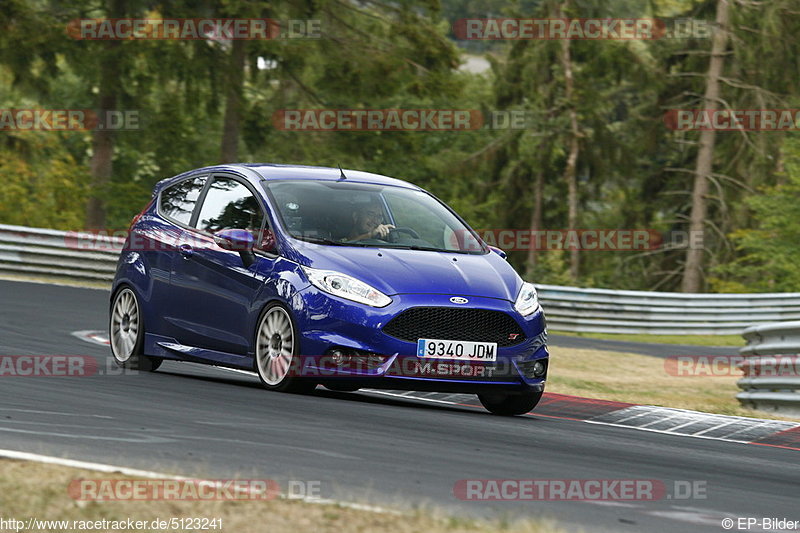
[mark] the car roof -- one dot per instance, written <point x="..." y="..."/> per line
<point x="270" y="172"/>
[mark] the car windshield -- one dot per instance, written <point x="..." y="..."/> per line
<point x="339" y="213"/>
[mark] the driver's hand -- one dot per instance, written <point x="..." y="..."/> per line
<point x="381" y="231"/>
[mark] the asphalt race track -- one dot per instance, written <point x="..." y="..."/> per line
<point x="194" y="420"/>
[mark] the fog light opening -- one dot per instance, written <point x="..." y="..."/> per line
<point x="353" y="359"/>
<point x="339" y="358"/>
<point x="534" y="369"/>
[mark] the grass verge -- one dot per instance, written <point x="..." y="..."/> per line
<point x="56" y="280"/>
<point x="35" y="490"/>
<point x="642" y="379"/>
<point x="693" y="340"/>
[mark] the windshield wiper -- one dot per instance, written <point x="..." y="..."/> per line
<point x="329" y="242"/>
<point x="319" y="240"/>
<point x="426" y="249"/>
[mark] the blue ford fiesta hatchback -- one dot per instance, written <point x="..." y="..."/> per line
<point x="312" y="275"/>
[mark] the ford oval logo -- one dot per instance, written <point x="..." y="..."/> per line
<point x="458" y="300"/>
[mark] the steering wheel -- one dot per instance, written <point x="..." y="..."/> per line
<point x="393" y="233"/>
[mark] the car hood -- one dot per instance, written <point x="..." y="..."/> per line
<point x="396" y="271"/>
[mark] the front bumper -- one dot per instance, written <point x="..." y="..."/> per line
<point x="329" y="324"/>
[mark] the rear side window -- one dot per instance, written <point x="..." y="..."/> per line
<point x="178" y="201"/>
<point x="229" y="205"/>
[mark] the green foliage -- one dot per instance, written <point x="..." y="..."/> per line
<point x="45" y="191"/>
<point x="632" y="171"/>
<point x="551" y="268"/>
<point x="770" y="256"/>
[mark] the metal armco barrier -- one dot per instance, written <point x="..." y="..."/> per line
<point x="662" y="313"/>
<point x="772" y="368"/>
<point x="35" y="251"/>
<point x="63" y="254"/>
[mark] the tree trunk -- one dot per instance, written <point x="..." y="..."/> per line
<point x="570" y="172"/>
<point x="233" y="103"/>
<point x="101" y="164"/>
<point x="536" y="216"/>
<point x="693" y="269"/>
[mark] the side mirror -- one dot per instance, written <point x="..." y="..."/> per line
<point x="237" y="240"/>
<point x="498" y="251"/>
<point x="268" y="243"/>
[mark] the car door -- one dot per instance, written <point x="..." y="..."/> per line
<point x="155" y="238"/>
<point x="211" y="289"/>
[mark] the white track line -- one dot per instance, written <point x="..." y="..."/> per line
<point x="95" y="337"/>
<point x="112" y="469"/>
<point x="666" y="432"/>
<point x="96" y="467"/>
<point x="407" y="396"/>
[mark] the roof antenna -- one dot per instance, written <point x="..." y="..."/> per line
<point x="341" y="173"/>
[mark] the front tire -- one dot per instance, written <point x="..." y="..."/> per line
<point x="126" y="333"/>
<point x="276" y="359"/>
<point x="510" y="404"/>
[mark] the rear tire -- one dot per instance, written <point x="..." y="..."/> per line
<point x="510" y="404"/>
<point x="276" y="345"/>
<point x="126" y="333"/>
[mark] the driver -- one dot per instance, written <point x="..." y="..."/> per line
<point x="367" y="223"/>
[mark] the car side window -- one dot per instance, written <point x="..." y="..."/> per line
<point x="230" y="205"/>
<point x="178" y="201"/>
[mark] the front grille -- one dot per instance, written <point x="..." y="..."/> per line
<point x="453" y="324"/>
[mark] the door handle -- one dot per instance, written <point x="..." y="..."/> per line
<point x="186" y="250"/>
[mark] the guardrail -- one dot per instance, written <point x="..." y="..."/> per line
<point x="662" y="313"/>
<point x="85" y="256"/>
<point x="771" y="368"/>
<point x="61" y="254"/>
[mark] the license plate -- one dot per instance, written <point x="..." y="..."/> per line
<point x="457" y="350"/>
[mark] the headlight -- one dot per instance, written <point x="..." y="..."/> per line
<point x="527" y="301"/>
<point x="344" y="286"/>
